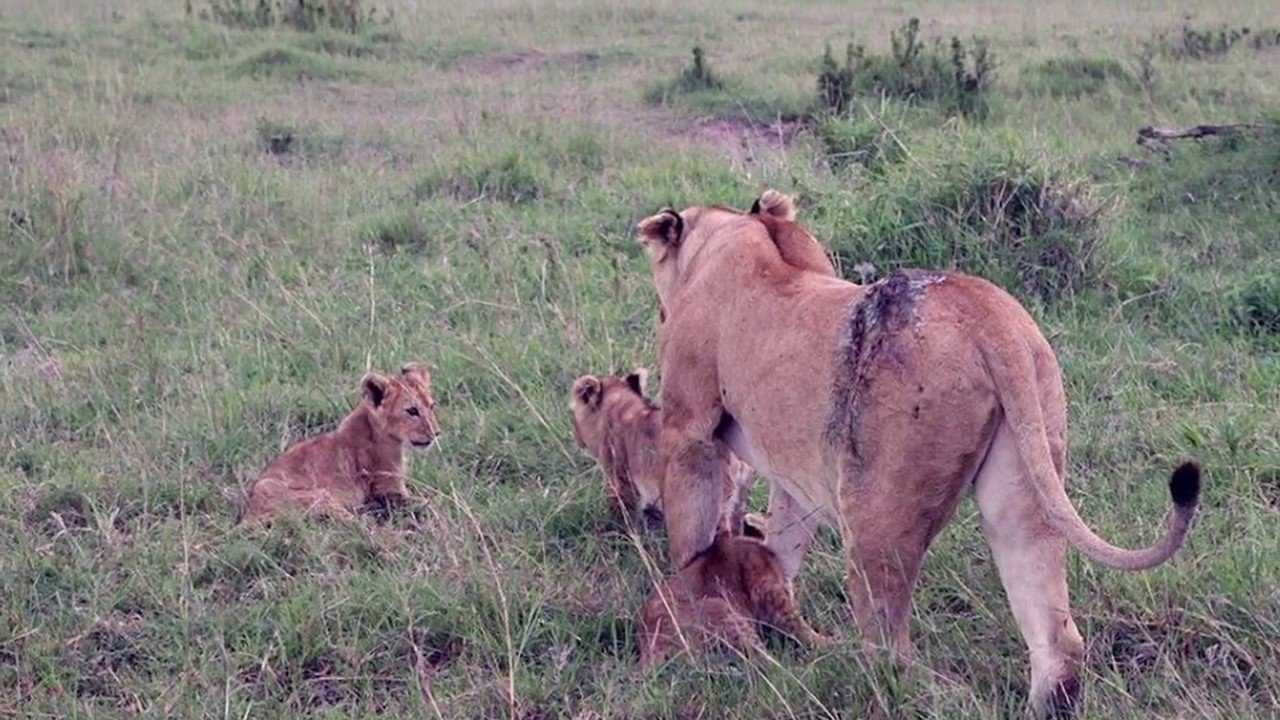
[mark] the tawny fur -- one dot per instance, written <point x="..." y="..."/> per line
<point x="618" y="426"/>
<point x="874" y="409"/>
<point x="796" y="246"/>
<point x="718" y="598"/>
<point x="777" y="213"/>
<point x="362" y="459"/>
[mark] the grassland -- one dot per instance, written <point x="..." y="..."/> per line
<point x="208" y="233"/>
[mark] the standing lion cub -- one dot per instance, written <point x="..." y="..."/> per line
<point x="617" y="425"/>
<point x="362" y="459"/>
<point x="717" y="598"/>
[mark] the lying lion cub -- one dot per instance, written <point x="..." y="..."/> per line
<point x="718" y="597"/>
<point x="618" y="426"/>
<point x="362" y="459"/>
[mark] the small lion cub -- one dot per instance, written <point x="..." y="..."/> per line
<point x="717" y="598"/>
<point x="362" y="459"/>
<point x="618" y="426"/>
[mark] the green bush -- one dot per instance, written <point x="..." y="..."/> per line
<point x="288" y="63"/>
<point x="914" y="70"/>
<point x="1255" y="307"/>
<point x="351" y="16"/>
<point x="517" y="170"/>
<point x="1077" y="76"/>
<point x="277" y="138"/>
<point x="697" y="77"/>
<point x="1018" y="224"/>
<point x="1192" y="43"/>
<point x="868" y="142"/>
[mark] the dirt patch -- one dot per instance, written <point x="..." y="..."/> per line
<point x="528" y="61"/>
<point x="58" y="511"/>
<point x="741" y="140"/>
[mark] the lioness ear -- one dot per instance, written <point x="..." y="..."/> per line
<point x="637" y="379"/>
<point x="775" y="204"/>
<point x="667" y="227"/>
<point x="415" y="371"/>
<point x="374" y="387"/>
<point x="586" y="390"/>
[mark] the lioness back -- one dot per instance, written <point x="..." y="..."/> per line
<point x="362" y="459"/>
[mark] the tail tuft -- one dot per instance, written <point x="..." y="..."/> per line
<point x="1184" y="484"/>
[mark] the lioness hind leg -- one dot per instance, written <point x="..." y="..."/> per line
<point x="882" y="574"/>
<point x="893" y="506"/>
<point x="790" y="531"/>
<point x="1031" y="559"/>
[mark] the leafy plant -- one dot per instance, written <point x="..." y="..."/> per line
<point x="914" y="70"/>
<point x="351" y="16"/>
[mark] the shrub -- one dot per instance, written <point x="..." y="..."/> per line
<point x="1020" y="225"/>
<point x="1074" y="76"/>
<point x="278" y="138"/>
<point x="351" y="16"/>
<point x="914" y="70"/>
<point x="395" y="230"/>
<point x="1191" y="43"/>
<point x="835" y="83"/>
<point x="868" y="142"/>
<point x="696" y="77"/>
<point x="288" y="63"/>
<point x="1255" y="307"/>
<point x="518" y="169"/>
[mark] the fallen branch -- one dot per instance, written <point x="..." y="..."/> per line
<point x="1157" y="139"/>
<point x="1152" y="132"/>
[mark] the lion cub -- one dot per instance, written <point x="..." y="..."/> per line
<point x="617" y="425"/>
<point x="362" y="459"/>
<point x="718" y="597"/>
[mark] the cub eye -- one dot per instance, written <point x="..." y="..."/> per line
<point x="413" y="412"/>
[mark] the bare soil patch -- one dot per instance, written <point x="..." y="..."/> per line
<point x="528" y="61"/>
<point x="740" y="140"/>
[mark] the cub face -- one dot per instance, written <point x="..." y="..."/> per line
<point x="402" y="408"/>
<point x="609" y="415"/>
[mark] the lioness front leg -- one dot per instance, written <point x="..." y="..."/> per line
<point x="691" y="493"/>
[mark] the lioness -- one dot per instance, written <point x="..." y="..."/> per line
<point x="719" y="596"/>
<point x="617" y="425"/>
<point x="362" y="459"/>
<point x="874" y="409"/>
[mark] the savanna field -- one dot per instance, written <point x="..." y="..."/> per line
<point x="214" y="218"/>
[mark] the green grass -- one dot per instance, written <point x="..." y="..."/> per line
<point x="181" y="296"/>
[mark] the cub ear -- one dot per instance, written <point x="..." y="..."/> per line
<point x="666" y="228"/>
<point x="754" y="525"/>
<point x="374" y="387"/>
<point x="637" y="379"/>
<point x="586" y="390"/>
<point x="774" y="204"/>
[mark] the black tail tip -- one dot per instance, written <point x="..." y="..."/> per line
<point x="1184" y="484"/>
